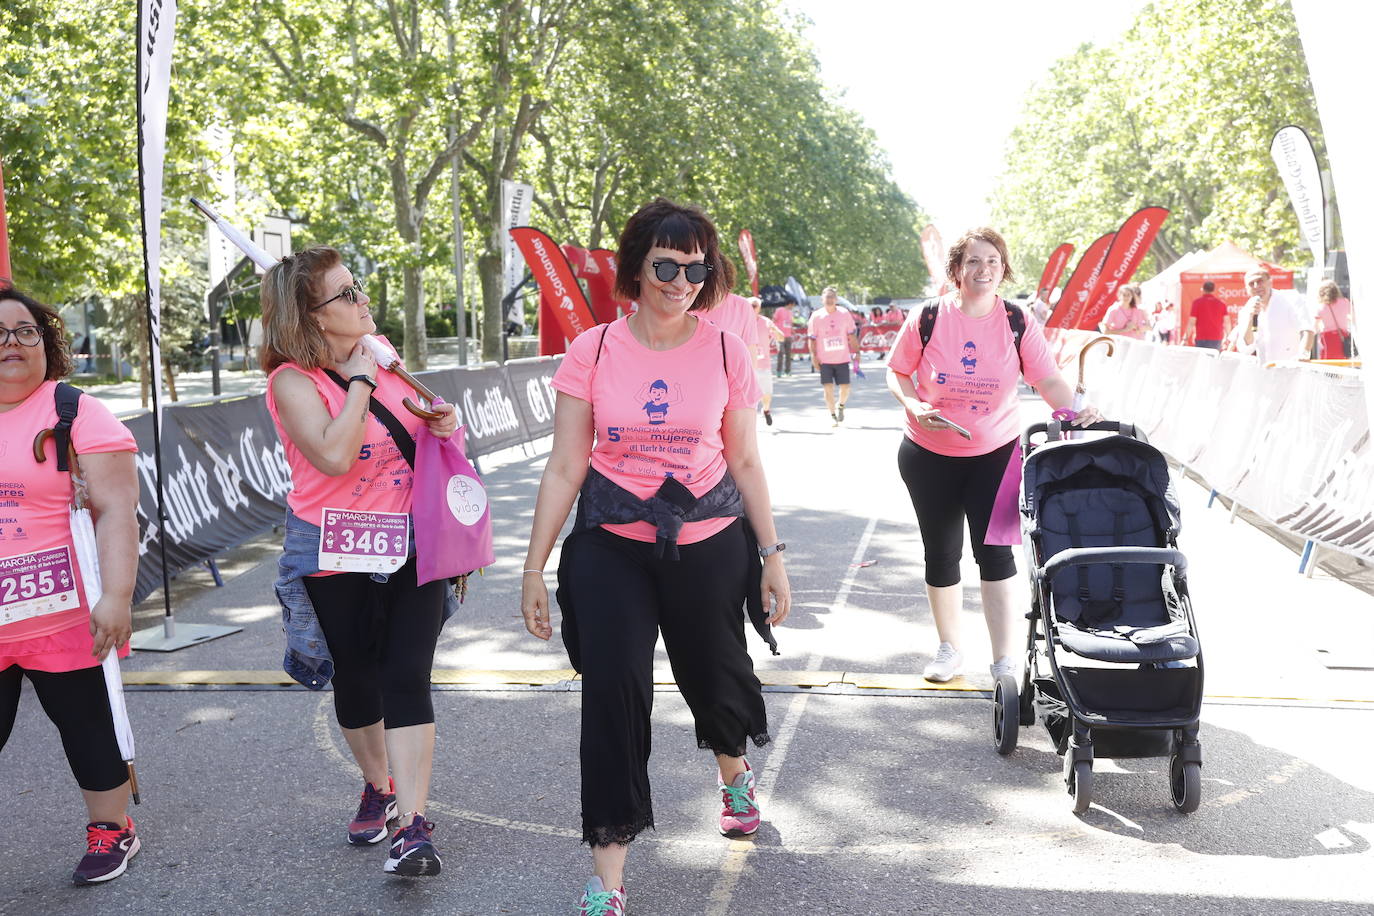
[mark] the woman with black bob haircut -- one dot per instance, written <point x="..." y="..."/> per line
<point x="654" y="428"/>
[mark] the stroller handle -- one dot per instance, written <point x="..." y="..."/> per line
<point x="1052" y="431"/>
<point x="1080" y="556"/>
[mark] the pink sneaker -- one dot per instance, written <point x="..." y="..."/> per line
<point x="597" y="901"/>
<point x="739" y="815"/>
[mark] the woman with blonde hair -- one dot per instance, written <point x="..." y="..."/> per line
<point x="353" y="611"/>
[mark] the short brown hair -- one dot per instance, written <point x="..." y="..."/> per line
<point x="1328" y="292"/>
<point x="682" y="228"/>
<point x="55" y="348"/>
<point x="955" y="259"/>
<point x="288" y="289"/>
<point x="1133" y="289"/>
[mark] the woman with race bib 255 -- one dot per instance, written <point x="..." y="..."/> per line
<point x="353" y="611"/>
<point x="967" y="375"/>
<point x="48" y="631"/>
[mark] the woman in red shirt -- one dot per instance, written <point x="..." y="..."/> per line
<point x="655" y="421"/>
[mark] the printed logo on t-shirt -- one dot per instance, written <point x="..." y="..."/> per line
<point x="656" y="407"/>
<point x="970" y="358"/>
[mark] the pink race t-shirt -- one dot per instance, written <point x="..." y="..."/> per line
<point x="379" y="481"/>
<point x="736" y="315"/>
<point x="659" y="413"/>
<point x="831" y="332"/>
<point x="782" y="317"/>
<point x="35" y="498"/>
<point x="762" y="342"/>
<point x="969" y="372"/>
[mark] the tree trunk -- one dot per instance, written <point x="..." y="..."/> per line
<point x="489" y="271"/>
<point x="416" y="343"/>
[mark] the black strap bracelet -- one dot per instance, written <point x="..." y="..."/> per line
<point x="362" y="378"/>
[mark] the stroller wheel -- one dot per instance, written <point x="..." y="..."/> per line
<point x="1006" y="714"/>
<point x="1081" y="785"/>
<point x="1185" y="784"/>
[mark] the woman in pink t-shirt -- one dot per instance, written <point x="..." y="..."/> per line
<point x="654" y="426"/>
<point x="1126" y="318"/>
<point x="967" y="376"/>
<point x="768" y="334"/>
<point x="47" y="632"/>
<point x="351" y="487"/>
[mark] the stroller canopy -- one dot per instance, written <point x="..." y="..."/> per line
<point x="1121" y="456"/>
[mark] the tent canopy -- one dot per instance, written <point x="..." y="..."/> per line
<point x="1225" y="265"/>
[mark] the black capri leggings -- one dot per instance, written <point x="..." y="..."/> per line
<point x="382" y="637"/>
<point x="944" y="491"/>
<point x="78" y="705"/>
<point x="623" y="597"/>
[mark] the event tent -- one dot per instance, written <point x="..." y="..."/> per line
<point x="1225" y="265"/>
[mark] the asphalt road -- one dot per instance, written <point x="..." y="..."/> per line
<point x="881" y="794"/>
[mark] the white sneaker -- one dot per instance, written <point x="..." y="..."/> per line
<point x="947" y="665"/>
<point x="1004" y="665"/>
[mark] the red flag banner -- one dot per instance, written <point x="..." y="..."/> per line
<point x="597" y="269"/>
<point x="1054" y="269"/>
<point x="5" y="273"/>
<point x="1081" y="282"/>
<point x="558" y="289"/>
<point x="750" y="254"/>
<point x="1127" y="250"/>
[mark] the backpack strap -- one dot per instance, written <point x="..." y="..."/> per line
<point x="67" y="398"/>
<point x="926" y="325"/>
<point x="1015" y="318"/>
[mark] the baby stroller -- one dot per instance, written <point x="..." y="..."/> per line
<point x="1113" y="665"/>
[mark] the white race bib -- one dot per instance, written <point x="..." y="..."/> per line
<point x="38" y="583"/>
<point x="370" y="542"/>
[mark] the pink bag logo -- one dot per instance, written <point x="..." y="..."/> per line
<point x="467" y="499"/>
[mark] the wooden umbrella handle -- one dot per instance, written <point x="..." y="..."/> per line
<point x="1083" y="355"/>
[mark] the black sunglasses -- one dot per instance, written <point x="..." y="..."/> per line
<point x="696" y="272"/>
<point x="351" y="293"/>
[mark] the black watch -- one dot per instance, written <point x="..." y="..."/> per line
<point x="363" y="378"/>
<point x="779" y="547"/>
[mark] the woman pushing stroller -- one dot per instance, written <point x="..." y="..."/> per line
<point x="954" y="367"/>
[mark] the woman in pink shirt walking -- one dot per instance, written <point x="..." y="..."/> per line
<point x="674" y="534"/>
<point x="49" y="633"/>
<point x="964" y="374"/>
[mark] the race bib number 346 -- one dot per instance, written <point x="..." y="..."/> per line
<point x="38" y="583"/>
<point x="370" y="542"/>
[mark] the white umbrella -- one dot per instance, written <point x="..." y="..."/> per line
<point x="88" y="561"/>
<point x="1080" y="392"/>
<point x="384" y="357"/>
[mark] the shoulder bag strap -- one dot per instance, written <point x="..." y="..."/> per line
<point x="67" y="399"/>
<point x="399" y="434"/>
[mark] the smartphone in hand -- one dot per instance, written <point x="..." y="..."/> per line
<point x="955" y="426"/>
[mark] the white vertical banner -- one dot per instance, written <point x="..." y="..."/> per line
<point x="156" y="21"/>
<point x="1297" y="164"/>
<point x="515" y="210"/>
<point x="1336" y="61"/>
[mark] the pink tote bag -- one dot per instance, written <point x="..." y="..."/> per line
<point x="450" y="510"/>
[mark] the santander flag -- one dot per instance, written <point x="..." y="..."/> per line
<point x="558" y="289"/>
<point x="1054" y="268"/>
<point x="1127" y="250"/>
<point x="750" y="254"/>
<point x="597" y="268"/>
<point x="933" y="249"/>
<point x="1081" y="281"/>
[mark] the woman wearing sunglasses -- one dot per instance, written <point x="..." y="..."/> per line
<point x="51" y="634"/>
<point x="352" y="608"/>
<point x="674" y="534"/>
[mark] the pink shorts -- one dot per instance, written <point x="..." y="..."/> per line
<point x="65" y="650"/>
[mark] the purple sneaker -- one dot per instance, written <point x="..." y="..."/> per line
<point x="739" y="815"/>
<point x="412" y="854"/>
<point x="597" y="901"/>
<point x="109" y="847"/>
<point x="375" y="811"/>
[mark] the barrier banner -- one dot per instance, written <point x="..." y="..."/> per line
<point x="878" y="338"/>
<point x="534" y="395"/>
<point x="750" y="255"/>
<point x="1127" y="250"/>
<point x="486" y="406"/>
<point x="5" y="273"/>
<point x="1297" y="164"/>
<point x="1290" y="442"/>
<point x="558" y="290"/>
<point x="1054" y="269"/>
<point x="1070" y="306"/>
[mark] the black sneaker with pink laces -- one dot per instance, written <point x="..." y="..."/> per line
<point x="109" y="847"/>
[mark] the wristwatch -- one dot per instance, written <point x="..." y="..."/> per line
<point x="779" y="547"/>
<point x="363" y="378"/>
